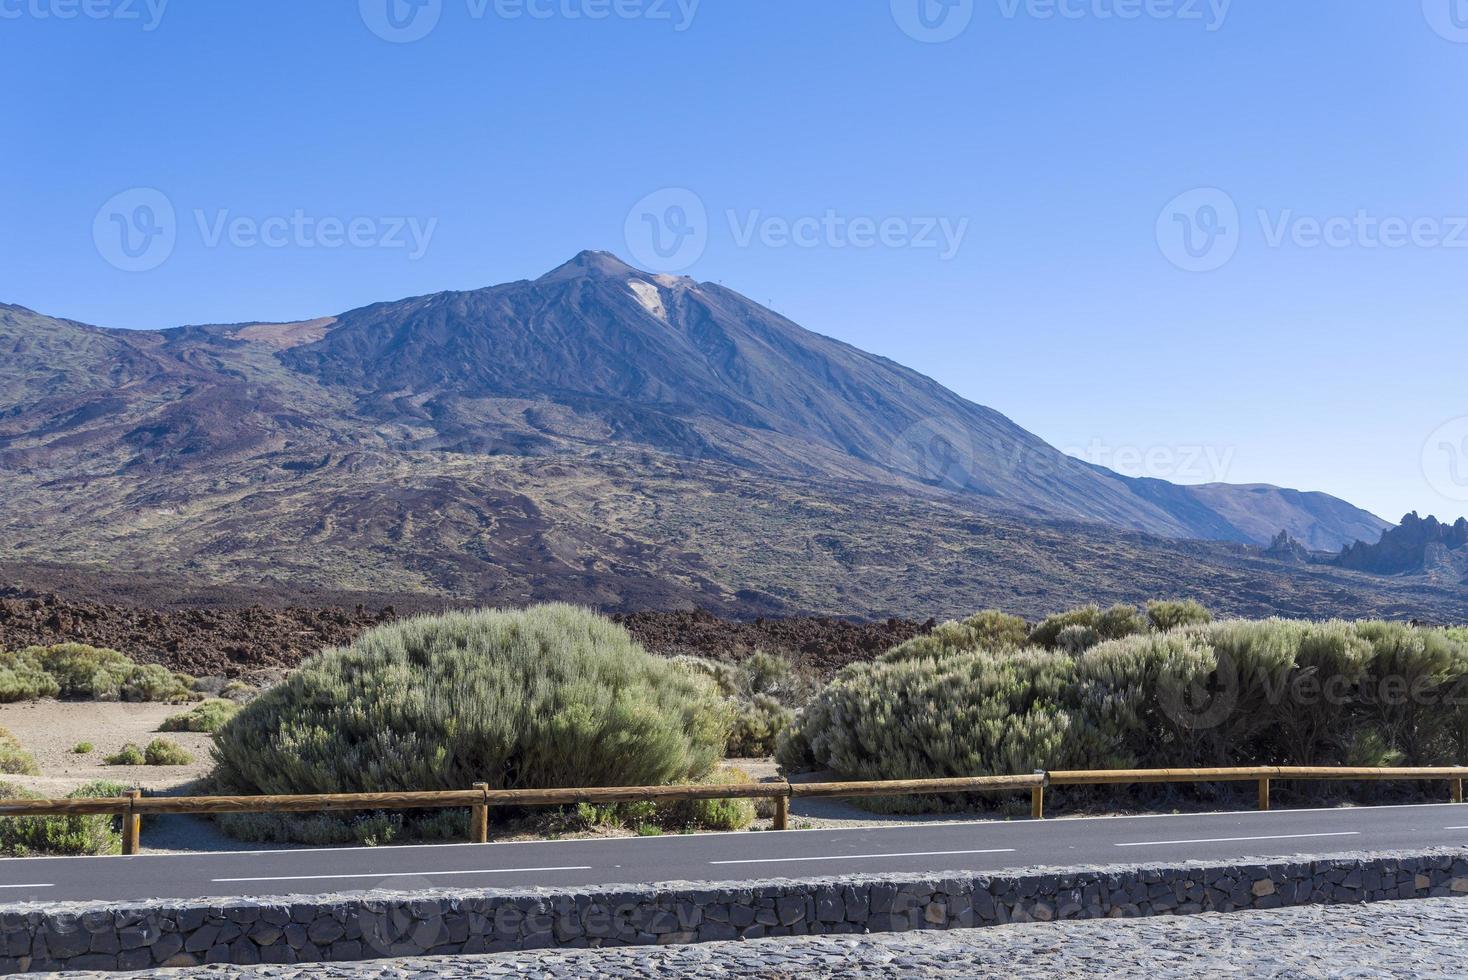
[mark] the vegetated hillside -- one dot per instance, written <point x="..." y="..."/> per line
<point x="1418" y="546"/>
<point x="601" y="436"/>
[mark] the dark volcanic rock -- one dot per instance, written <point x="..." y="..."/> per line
<point x="1418" y="546"/>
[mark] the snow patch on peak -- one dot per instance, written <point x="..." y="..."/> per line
<point x="650" y="297"/>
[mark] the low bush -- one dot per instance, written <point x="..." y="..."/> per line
<point x="710" y="814"/>
<point x="332" y="829"/>
<point x="206" y="716"/>
<point x="1109" y="624"/>
<point x="987" y="630"/>
<point x="545" y="697"/>
<point x="763" y="692"/>
<point x="23" y="679"/>
<point x="1172" y="614"/>
<point x="162" y="752"/>
<point x="69" y="835"/>
<point x="82" y="748"/>
<point x="1218" y="694"/>
<point x="14" y="759"/>
<point x="130" y="754"/>
<point x="75" y="671"/>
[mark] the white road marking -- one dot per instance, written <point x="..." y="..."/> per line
<point x="399" y="874"/>
<point x="854" y="857"/>
<point x="1230" y="840"/>
<point x="1455" y="828"/>
<point x="27" y="886"/>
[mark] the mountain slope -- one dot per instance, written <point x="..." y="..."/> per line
<point x="698" y="370"/>
<point x="611" y="437"/>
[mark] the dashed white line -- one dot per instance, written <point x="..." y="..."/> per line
<point x="1230" y="840"/>
<point x="400" y="874"/>
<point x="1455" y="828"/>
<point x="18" y="887"/>
<point x="856" y="857"/>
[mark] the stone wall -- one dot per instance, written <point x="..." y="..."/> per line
<point x="375" y="925"/>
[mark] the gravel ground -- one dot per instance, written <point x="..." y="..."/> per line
<point x="1424" y="938"/>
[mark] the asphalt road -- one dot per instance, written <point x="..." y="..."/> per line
<point x="743" y="856"/>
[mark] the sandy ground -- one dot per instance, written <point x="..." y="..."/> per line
<point x="49" y="730"/>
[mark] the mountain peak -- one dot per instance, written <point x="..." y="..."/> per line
<point x="592" y="264"/>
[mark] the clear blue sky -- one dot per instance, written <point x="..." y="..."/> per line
<point x="1055" y="143"/>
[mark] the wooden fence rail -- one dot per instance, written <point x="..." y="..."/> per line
<point x="481" y="799"/>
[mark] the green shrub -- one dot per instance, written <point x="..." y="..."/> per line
<point x="968" y="713"/>
<point x="757" y="727"/>
<point x="546" y="697"/>
<point x="206" y="716"/>
<point x="129" y="755"/>
<point x="81" y="748"/>
<point x="69" y="835"/>
<point x="23" y="679"/>
<point x="162" y="752"/>
<point x="1076" y="639"/>
<point x="332" y="829"/>
<point x="79" y="672"/>
<point x="14" y="759"/>
<point x="1172" y="614"/>
<point x="1110" y="624"/>
<point x="1230" y="693"/>
<point x="987" y="630"/>
<point x="710" y="814"/>
<point x="763" y="692"/>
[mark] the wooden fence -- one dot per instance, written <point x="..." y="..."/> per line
<point x="133" y="807"/>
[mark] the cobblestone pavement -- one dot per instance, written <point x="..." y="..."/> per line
<point x="1423" y="938"/>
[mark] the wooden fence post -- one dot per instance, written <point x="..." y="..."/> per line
<point x="1457" y="790"/>
<point x="1037" y="803"/>
<point x="479" y="818"/>
<point x="782" y="813"/>
<point x="1264" y="793"/>
<point x="132" y="824"/>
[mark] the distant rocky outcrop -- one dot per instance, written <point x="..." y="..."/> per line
<point x="1286" y="548"/>
<point x="1418" y="546"/>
